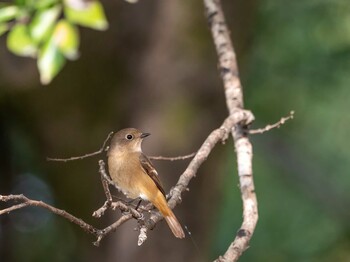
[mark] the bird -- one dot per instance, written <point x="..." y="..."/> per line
<point x="133" y="174"/>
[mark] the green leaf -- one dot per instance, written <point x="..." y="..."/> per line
<point x="8" y="13"/>
<point x="19" y="41"/>
<point x="43" y="23"/>
<point x="66" y="38"/>
<point x="89" y="14"/>
<point x="50" y="61"/>
<point x="44" y="3"/>
<point x="20" y="2"/>
<point x="3" y="29"/>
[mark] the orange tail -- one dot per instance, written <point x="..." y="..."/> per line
<point x="169" y="216"/>
<point x="174" y="225"/>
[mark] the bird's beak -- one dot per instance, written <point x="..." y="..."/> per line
<point x="143" y="135"/>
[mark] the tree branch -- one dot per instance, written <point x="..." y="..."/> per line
<point x="99" y="233"/>
<point x="29" y="202"/>
<point x="234" y="100"/>
<point x="220" y="134"/>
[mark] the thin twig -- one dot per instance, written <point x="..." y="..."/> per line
<point x="125" y="208"/>
<point x="276" y="125"/>
<point x="30" y="202"/>
<point x="104" y="232"/>
<point x="105" y="182"/>
<point x="105" y="178"/>
<point x="8" y="210"/>
<point x="172" y="158"/>
<point x="100" y="212"/>
<point x="102" y="149"/>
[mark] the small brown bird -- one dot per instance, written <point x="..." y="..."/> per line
<point x="134" y="175"/>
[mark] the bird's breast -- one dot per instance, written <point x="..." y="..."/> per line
<point x="125" y="171"/>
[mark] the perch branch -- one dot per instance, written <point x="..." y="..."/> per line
<point x="202" y="154"/>
<point x="128" y="212"/>
<point x="98" y="233"/>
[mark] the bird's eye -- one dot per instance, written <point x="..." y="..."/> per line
<point x="129" y="137"/>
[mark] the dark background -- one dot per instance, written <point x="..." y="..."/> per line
<point x="155" y="68"/>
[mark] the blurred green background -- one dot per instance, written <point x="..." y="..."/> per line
<point x="155" y="68"/>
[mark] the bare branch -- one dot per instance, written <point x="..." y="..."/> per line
<point x="142" y="236"/>
<point x="99" y="233"/>
<point x="124" y="208"/>
<point x="8" y="210"/>
<point x="234" y="100"/>
<point x="29" y="202"/>
<point x="100" y="212"/>
<point x="172" y="158"/>
<point x="105" y="179"/>
<point x="102" y="149"/>
<point x="104" y="232"/>
<point x="239" y="116"/>
<point x="105" y="182"/>
<point x="276" y="125"/>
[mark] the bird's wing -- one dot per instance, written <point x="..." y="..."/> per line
<point x="151" y="172"/>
